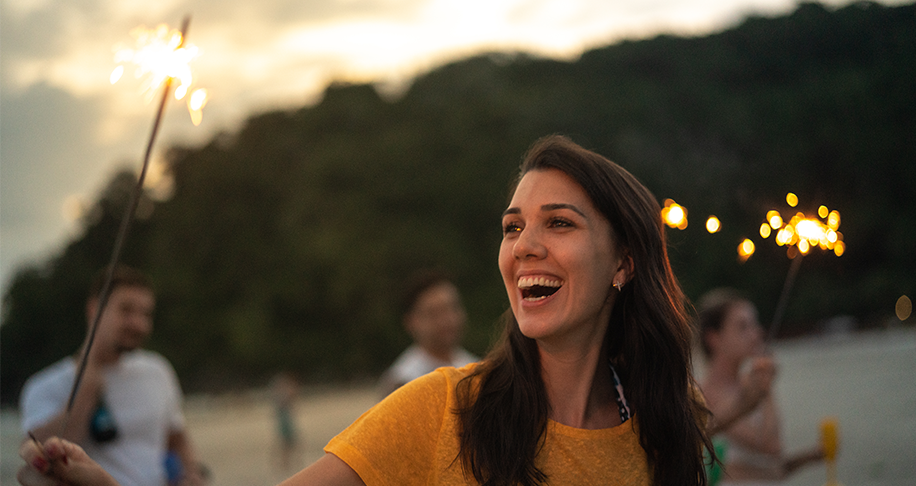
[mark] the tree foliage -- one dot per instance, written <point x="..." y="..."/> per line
<point x="284" y="244"/>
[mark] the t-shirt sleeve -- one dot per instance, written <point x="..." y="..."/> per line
<point x="395" y="442"/>
<point x="43" y="396"/>
<point x="175" y="397"/>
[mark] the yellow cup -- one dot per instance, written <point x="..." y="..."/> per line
<point x="829" y="437"/>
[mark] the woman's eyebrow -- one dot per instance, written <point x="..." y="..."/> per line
<point x="548" y="207"/>
<point x="555" y="206"/>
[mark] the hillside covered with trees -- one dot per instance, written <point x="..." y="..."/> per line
<point x="283" y="244"/>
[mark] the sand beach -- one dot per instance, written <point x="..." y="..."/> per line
<point x="866" y="380"/>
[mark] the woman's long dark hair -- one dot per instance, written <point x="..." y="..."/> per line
<point x="503" y="406"/>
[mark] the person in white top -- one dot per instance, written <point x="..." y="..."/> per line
<point x="434" y="317"/>
<point x="732" y="340"/>
<point x="127" y="411"/>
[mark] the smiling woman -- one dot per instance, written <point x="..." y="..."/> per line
<point x="608" y="338"/>
<point x="590" y="383"/>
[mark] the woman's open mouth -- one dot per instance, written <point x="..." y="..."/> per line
<point x="538" y="288"/>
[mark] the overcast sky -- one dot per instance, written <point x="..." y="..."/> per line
<point x="64" y="128"/>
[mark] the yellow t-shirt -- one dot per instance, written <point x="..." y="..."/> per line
<point x="411" y="438"/>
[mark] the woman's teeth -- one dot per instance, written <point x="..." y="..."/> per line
<point x="537" y="288"/>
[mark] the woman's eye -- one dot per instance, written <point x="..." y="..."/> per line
<point x="560" y="223"/>
<point x="511" y="228"/>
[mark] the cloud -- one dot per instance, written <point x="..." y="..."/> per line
<point x="43" y="149"/>
<point x="40" y="132"/>
<point x="46" y="155"/>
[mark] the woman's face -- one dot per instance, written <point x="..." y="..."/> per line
<point x="741" y="335"/>
<point x="558" y="260"/>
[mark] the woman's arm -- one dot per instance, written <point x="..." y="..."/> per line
<point x="327" y="471"/>
<point x="796" y="461"/>
<point x="755" y="387"/>
<point x="59" y="462"/>
<point x="759" y="431"/>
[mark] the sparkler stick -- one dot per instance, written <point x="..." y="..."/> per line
<point x="784" y="297"/>
<point x="119" y="240"/>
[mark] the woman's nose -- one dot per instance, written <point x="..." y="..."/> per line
<point x="529" y="245"/>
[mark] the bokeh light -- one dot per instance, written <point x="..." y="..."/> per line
<point x="774" y="219"/>
<point x="833" y="220"/>
<point x="839" y="248"/>
<point x="745" y="250"/>
<point x="196" y="103"/>
<point x="674" y="215"/>
<point x="803" y="246"/>
<point x="713" y="225"/>
<point x="903" y="308"/>
<point x="786" y="236"/>
<point x="792" y="199"/>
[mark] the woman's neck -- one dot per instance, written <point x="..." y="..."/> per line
<point x="579" y="388"/>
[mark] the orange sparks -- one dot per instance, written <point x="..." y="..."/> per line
<point x="158" y="55"/>
<point x="802" y="233"/>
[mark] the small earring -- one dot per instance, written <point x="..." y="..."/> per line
<point x="618" y="286"/>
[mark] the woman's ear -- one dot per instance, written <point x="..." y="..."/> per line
<point x="625" y="271"/>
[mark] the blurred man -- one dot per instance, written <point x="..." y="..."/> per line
<point x="127" y="413"/>
<point x="434" y="317"/>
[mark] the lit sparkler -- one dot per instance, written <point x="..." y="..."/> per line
<point x="163" y="55"/>
<point x="800" y="234"/>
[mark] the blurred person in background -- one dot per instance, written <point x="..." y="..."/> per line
<point x="433" y="315"/>
<point x="738" y="390"/>
<point x="127" y="412"/>
<point x="284" y="389"/>
<point x="590" y="384"/>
